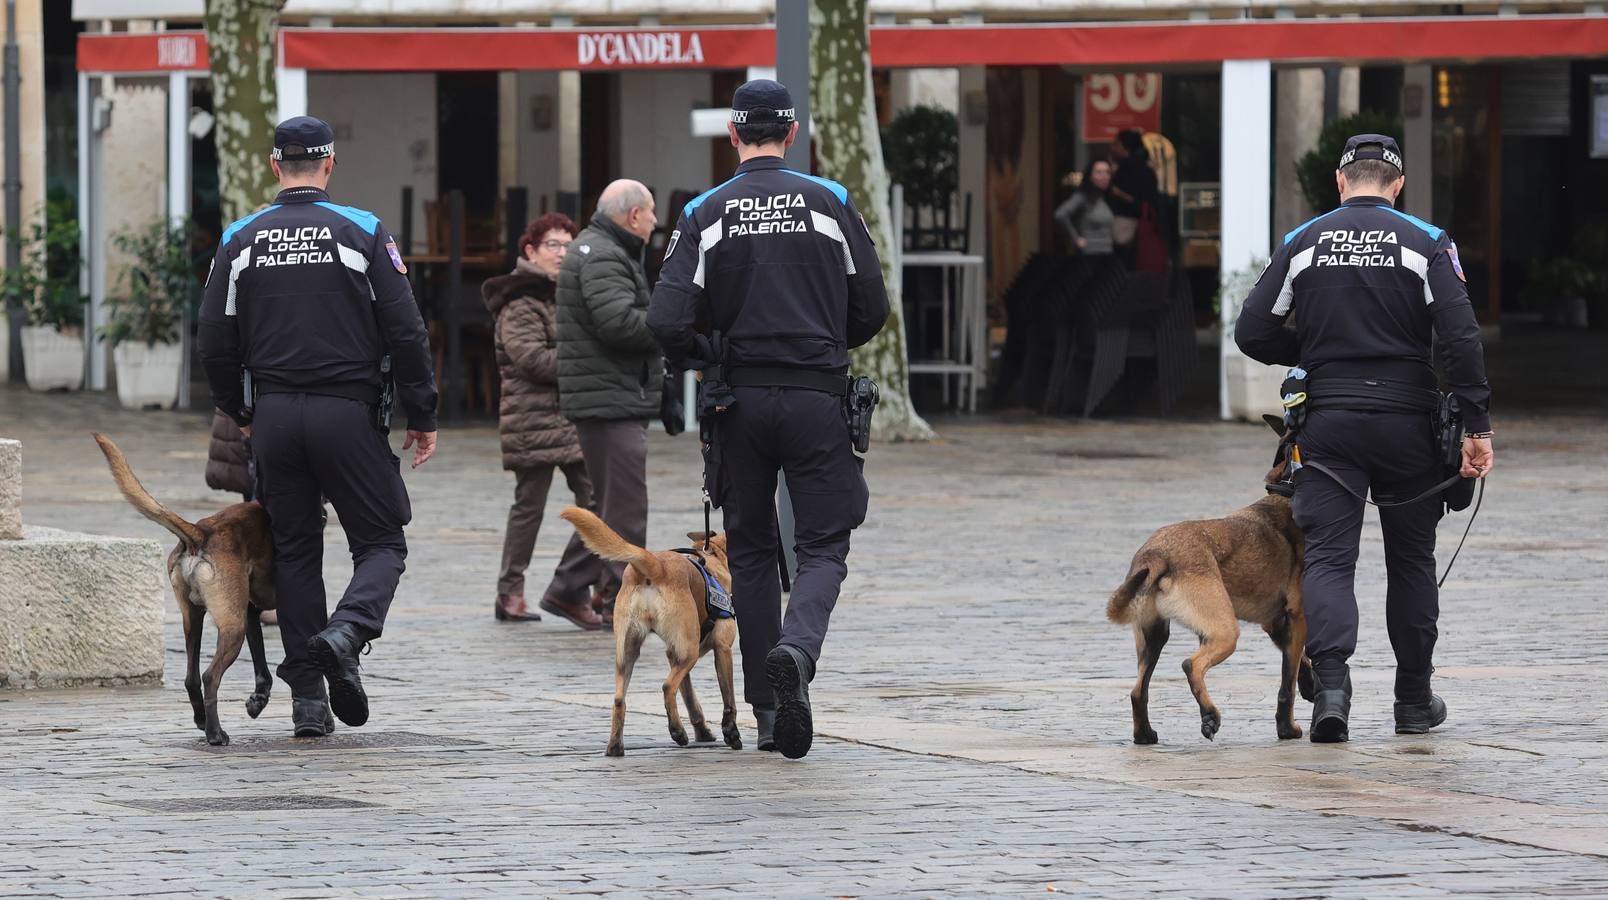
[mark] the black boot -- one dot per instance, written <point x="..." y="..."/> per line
<point x="1331" y="705"/>
<point x="334" y="651"/>
<point x="310" y="714"/>
<point x="1418" y="709"/>
<point x="765" y="716"/>
<point x="789" y="672"/>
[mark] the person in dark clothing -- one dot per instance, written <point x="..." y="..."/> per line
<point x="1133" y="186"/>
<point x="772" y="277"/>
<point x="536" y="439"/>
<point x="229" y="459"/>
<point x="609" y="365"/>
<point x="308" y="298"/>
<point x="1373" y="291"/>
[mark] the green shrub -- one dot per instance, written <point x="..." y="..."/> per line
<point x="158" y="288"/>
<point x="1316" y="169"/>
<point x="922" y="149"/>
<point x="46" y="284"/>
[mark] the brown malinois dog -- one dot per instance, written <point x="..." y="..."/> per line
<point x="223" y="565"/>
<point x="664" y="593"/>
<point x="1208" y="576"/>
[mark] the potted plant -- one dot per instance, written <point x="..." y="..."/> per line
<point x="1253" y="387"/>
<point x="46" y="286"/>
<point x="145" y="319"/>
<point x="1315" y="169"/>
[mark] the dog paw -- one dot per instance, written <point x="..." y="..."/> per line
<point x="1144" y="738"/>
<point x="1289" y="732"/>
<point x="734" y="738"/>
<point x="220" y="738"/>
<point x="703" y="734"/>
<point x="615" y="750"/>
<point x="679" y="735"/>
<point x="255" y="704"/>
<point x="1210" y="722"/>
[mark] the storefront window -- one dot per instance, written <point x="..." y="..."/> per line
<point x="1460" y="96"/>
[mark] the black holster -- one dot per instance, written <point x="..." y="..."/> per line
<point x="1449" y="436"/>
<point x="382" y="409"/>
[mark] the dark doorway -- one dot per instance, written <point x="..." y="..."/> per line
<point x="466" y="126"/>
<point x="600" y="154"/>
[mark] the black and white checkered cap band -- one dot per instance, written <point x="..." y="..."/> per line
<point x="1386" y="155"/>
<point x="309" y="153"/>
<point x="740" y="116"/>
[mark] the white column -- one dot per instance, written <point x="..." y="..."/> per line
<point x="178" y="195"/>
<point x="90" y="249"/>
<point x="292" y="92"/>
<point x="1417" y="139"/>
<point x="1247" y="153"/>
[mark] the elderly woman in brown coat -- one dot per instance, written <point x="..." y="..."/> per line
<point x="536" y="438"/>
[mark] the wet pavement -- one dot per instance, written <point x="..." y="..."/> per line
<point x="972" y="712"/>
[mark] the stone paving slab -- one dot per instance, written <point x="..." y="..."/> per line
<point x="972" y="706"/>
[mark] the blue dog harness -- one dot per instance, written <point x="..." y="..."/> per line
<point x="716" y="598"/>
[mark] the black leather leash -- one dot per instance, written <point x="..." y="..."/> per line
<point x="1432" y="492"/>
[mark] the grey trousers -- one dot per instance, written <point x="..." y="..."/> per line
<point x="616" y="454"/>
<point x="577" y="568"/>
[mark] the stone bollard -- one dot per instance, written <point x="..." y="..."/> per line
<point x="75" y="609"/>
<point x="10" y="490"/>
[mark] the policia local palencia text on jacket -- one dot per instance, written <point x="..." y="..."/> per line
<point x="780" y="265"/>
<point x="309" y="296"/>
<point x="1371" y="291"/>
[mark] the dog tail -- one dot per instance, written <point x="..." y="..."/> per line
<point x="602" y="540"/>
<point x="142" y="500"/>
<point x="1141" y="582"/>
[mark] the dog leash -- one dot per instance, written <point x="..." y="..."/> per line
<point x="1478" y="498"/>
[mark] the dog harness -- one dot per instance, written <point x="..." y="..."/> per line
<point x="716" y="598"/>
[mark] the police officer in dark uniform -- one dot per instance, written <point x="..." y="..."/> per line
<point x="1372" y="291"/>
<point x="308" y="309"/>
<point x="769" y="280"/>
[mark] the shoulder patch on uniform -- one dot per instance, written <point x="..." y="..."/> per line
<point x="396" y="256"/>
<point x="1457" y="264"/>
<point x="675" y="237"/>
<point x="362" y="218"/>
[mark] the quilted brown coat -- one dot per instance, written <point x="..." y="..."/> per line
<point x="226" y="457"/>
<point x="534" y="433"/>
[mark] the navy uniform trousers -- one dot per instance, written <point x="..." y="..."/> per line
<point x="308" y="447"/>
<point x="1394" y="455"/>
<point x="804" y="434"/>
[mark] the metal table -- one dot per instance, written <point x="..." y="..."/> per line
<point x="964" y="337"/>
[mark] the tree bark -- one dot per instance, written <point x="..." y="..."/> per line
<point x="243" y="50"/>
<point x="849" y="147"/>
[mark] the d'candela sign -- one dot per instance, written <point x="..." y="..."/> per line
<point x="667" y="48"/>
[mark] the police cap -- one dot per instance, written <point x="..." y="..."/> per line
<point x="1371" y="146"/>
<point x="303" y="137"/>
<point x="762" y="102"/>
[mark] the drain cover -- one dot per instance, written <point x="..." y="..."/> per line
<point x="265" y="803"/>
<point x="377" y="740"/>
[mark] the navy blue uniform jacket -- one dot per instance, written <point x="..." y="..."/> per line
<point x="310" y="295"/>
<point x="1371" y="290"/>
<point x="780" y="263"/>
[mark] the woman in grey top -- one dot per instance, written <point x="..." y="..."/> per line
<point x="1085" y="216"/>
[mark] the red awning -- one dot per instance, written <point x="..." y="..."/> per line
<point x="1117" y="44"/>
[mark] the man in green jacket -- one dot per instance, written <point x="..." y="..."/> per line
<point x="609" y="365"/>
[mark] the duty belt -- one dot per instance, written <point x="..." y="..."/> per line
<point x="1370" y="395"/>
<point x="807" y="379"/>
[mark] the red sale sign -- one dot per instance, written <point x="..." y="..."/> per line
<point x="1113" y="103"/>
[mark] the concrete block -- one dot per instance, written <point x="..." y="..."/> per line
<point x="80" y="609"/>
<point x="10" y="490"/>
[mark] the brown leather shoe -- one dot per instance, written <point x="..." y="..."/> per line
<point x="579" y="614"/>
<point x="512" y="608"/>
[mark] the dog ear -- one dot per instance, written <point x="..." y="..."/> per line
<point x="1276" y="423"/>
<point x="699" y="537"/>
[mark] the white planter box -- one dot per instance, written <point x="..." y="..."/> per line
<point x="148" y="375"/>
<point x="53" y="360"/>
<point x="1253" y="388"/>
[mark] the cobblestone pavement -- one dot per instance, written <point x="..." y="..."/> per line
<point x="974" y="731"/>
